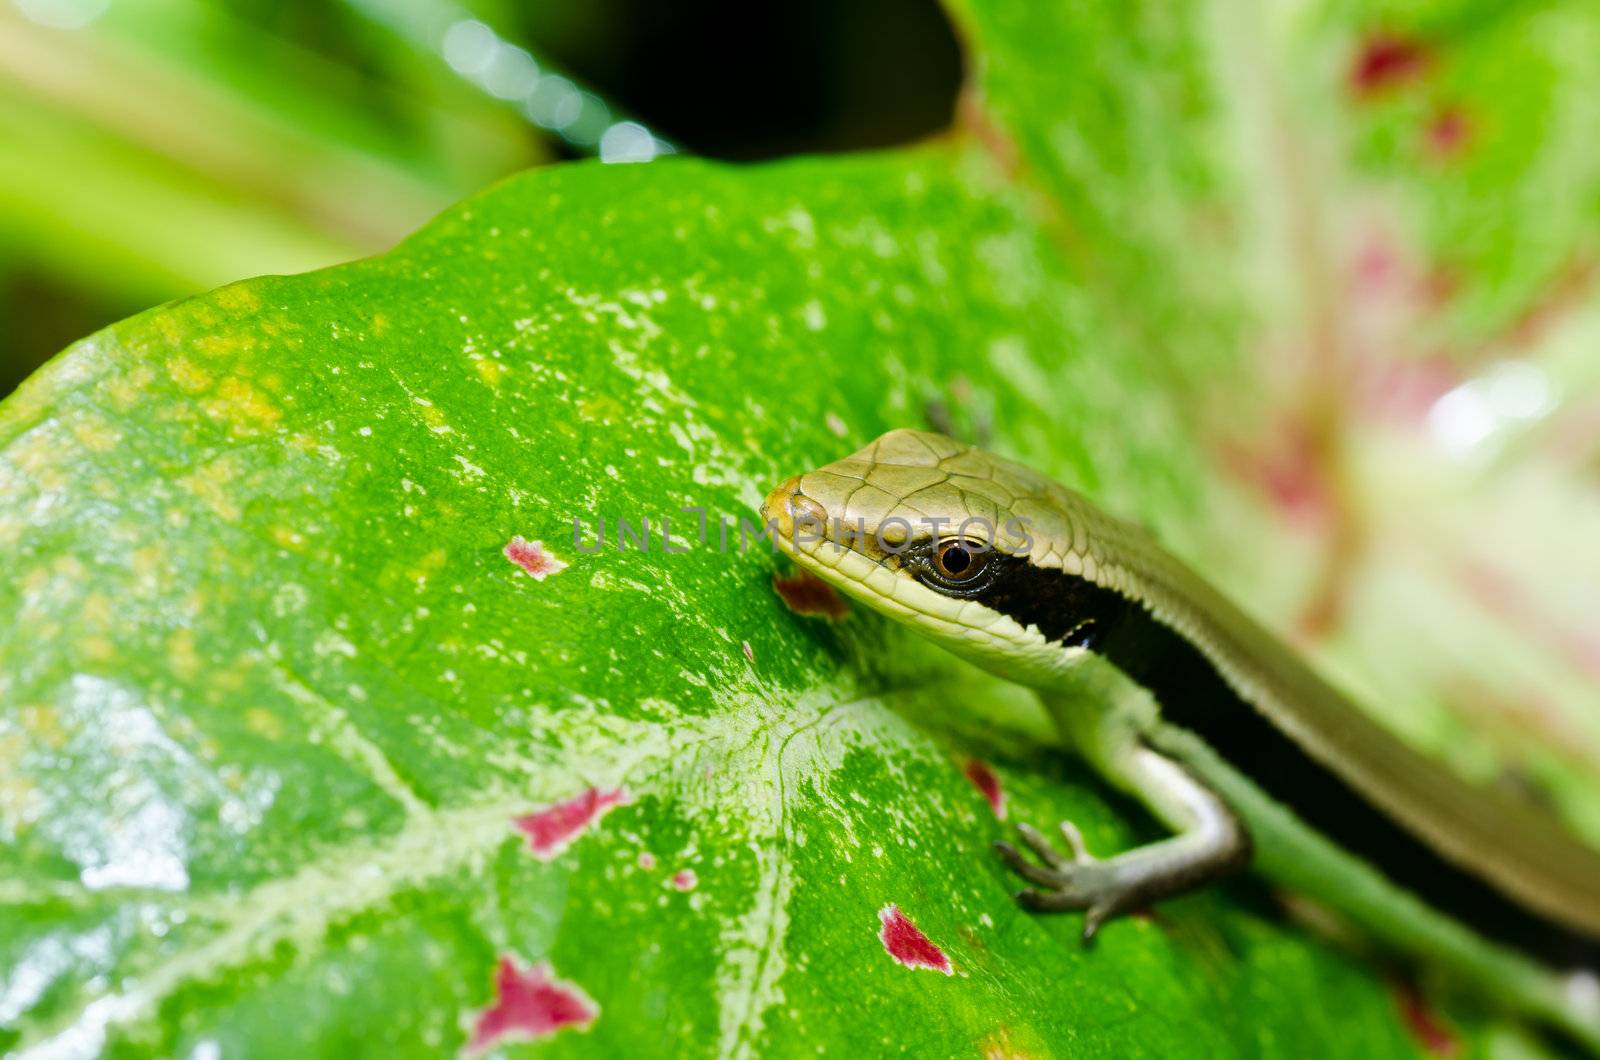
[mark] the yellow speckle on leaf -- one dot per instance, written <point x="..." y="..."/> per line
<point x="490" y="370"/>
<point x="264" y="723"/>
<point x="224" y="345"/>
<point x="33" y="583"/>
<point x="147" y="563"/>
<point x="96" y="435"/>
<point x="209" y="484"/>
<point x="43" y="723"/>
<point x="167" y="325"/>
<point x="242" y="405"/>
<point x="428" y="566"/>
<point x="20" y="801"/>
<point x="433" y="418"/>
<point x="182" y="658"/>
<point x="125" y="390"/>
<point x="98" y="649"/>
<point x="189" y="377"/>
<point x="237" y="298"/>
<point x="96" y="611"/>
<point x="36" y="454"/>
<point x="601" y="409"/>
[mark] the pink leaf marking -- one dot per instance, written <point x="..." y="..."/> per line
<point x="531" y="557"/>
<point x="685" y="880"/>
<point x="1448" y="132"/>
<point x="1386" y="60"/>
<point x="1424" y="1024"/>
<point x="906" y="944"/>
<point x="647" y="860"/>
<point x="807" y="594"/>
<point x="988" y="785"/>
<point x="1289" y="474"/>
<point x="529" y="1005"/>
<point x="551" y="830"/>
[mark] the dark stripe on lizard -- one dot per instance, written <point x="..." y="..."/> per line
<point x="1194" y="695"/>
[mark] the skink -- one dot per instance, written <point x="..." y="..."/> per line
<point x="1175" y="696"/>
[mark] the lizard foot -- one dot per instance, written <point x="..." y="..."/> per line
<point x="1074" y="880"/>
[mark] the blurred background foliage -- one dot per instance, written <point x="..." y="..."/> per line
<point x="152" y="149"/>
<point x="1421" y="431"/>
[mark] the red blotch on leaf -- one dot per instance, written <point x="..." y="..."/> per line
<point x="807" y="594"/>
<point x="1386" y="60"/>
<point x="531" y="557"/>
<point x="1404" y="391"/>
<point x="1285" y="469"/>
<point x="685" y="880"/>
<point x="1423" y="1022"/>
<point x="1377" y="264"/>
<point x="549" y="831"/>
<point x="647" y="860"/>
<point x="1438" y="286"/>
<point x="1448" y="132"/>
<point x="528" y="1005"/>
<point x="906" y="944"/>
<point x="988" y="785"/>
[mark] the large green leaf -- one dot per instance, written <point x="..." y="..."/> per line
<point x="276" y="694"/>
<point x="279" y="694"/>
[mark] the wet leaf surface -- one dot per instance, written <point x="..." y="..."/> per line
<point x="327" y="732"/>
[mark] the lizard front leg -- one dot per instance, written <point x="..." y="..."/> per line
<point x="1209" y="843"/>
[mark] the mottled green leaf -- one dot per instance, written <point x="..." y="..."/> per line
<point x="277" y="694"/>
<point x="283" y="667"/>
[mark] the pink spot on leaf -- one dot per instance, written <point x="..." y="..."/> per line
<point x="807" y="594"/>
<point x="988" y="785"/>
<point x="528" y="1005"/>
<point x="685" y="880"/>
<point x="531" y="557"/>
<point x="1286" y="470"/>
<point x="551" y="830"/>
<point x="647" y="860"/>
<point x="1377" y="264"/>
<point x="1448" y="132"/>
<point x="906" y="944"/>
<point x="1384" y="61"/>
<point x="1423" y="1022"/>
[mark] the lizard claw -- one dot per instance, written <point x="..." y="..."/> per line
<point x="1042" y="848"/>
<point x="1028" y="870"/>
<point x="1065" y="881"/>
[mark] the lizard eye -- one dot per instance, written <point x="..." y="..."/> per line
<point x="958" y="561"/>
